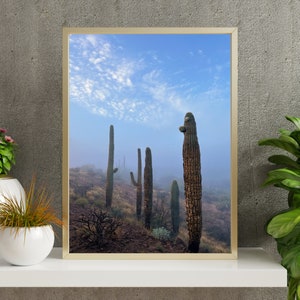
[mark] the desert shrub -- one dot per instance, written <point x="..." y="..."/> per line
<point x="161" y="233"/>
<point x="97" y="228"/>
<point x="83" y="202"/>
<point x="161" y="216"/>
<point x="95" y="194"/>
<point x="100" y="204"/>
<point x="117" y="212"/>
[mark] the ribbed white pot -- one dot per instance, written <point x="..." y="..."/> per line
<point x="28" y="246"/>
<point x="11" y="188"/>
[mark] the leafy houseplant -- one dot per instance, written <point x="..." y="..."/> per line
<point x="8" y="186"/>
<point x="285" y="226"/>
<point x="26" y="233"/>
<point x="7" y="152"/>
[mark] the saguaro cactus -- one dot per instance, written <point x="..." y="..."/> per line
<point x="110" y="168"/>
<point x="175" y="207"/>
<point x="138" y="184"/>
<point x="192" y="181"/>
<point x="148" y="188"/>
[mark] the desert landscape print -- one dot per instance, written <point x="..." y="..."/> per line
<point x="149" y="143"/>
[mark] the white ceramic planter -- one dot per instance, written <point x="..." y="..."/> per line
<point x="11" y="188"/>
<point x="26" y="246"/>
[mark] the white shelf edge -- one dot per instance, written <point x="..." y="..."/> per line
<point x="253" y="268"/>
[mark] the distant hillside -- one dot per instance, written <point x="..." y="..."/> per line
<point x="121" y="232"/>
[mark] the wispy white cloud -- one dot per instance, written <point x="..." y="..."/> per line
<point x="106" y="82"/>
<point x="88" y="86"/>
<point x="163" y="92"/>
<point x="121" y="74"/>
<point x="198" y="52"/>
<point x="92" y="39"/>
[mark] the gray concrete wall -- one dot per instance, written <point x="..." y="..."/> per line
<point x="269" y="88"/>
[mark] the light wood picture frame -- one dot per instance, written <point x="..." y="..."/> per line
<point x="150" y="143"/>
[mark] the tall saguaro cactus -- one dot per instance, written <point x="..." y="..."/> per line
<point x="110" y="168"/>
<point x="175" y="207"/>
<point x="148" y="188"/>
<point x="138" y="184"/>
<point x="192" y="181"/>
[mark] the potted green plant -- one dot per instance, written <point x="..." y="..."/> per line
<point x="7" y="152"/>
<point x="284" y="226"/>
<point x="26" y="231"/>
<point x="9" y="186"/>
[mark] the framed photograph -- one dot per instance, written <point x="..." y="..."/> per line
<point x="150" y="143"/>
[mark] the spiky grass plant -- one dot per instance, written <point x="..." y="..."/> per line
<point x="35" y="210"/>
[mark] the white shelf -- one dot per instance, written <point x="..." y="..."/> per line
<point x="254" y="268"/>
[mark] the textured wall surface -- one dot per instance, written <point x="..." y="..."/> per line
<point x="269" y="88"/>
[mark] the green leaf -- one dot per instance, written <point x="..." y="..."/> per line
<point x="284" y="160"/>
<point x="291" y="261"/>
<point x="296" y="136"/>
<point x="288" y="139"/>
<point x="7" y="165"/>
<point x="5" y="152"/>
<point x="283" y="223"/>
<point x="279" y="175"/>
<point x="282" y="144"/>
<point x="294" y="198"/>
<point x="282" y="186"/>
<point x="284" y="243"/>
<point x="292" y="291"/>
<point x="294" y="120"/>
<point x="284" y="132"/>
<point x="293" y="184"/>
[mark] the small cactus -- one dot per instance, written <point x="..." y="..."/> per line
<point x="175" y="207"/>
<point x="192" y="181"/>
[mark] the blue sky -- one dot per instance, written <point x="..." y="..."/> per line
<point x="144" y="85"/>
